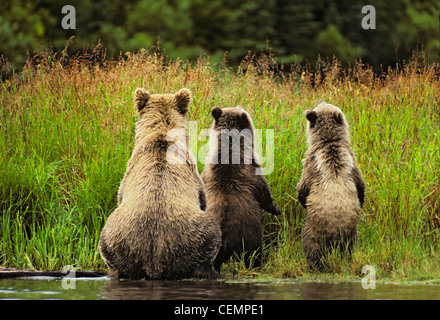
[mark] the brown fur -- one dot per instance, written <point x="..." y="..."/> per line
<point x="235" y="194"/>
<point x="331" y="187"/>
<point x="158" y="230"/>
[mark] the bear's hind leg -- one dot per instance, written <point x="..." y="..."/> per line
<point x="313" y="253"/>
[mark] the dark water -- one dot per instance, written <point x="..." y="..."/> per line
<point x="104" y="288"/>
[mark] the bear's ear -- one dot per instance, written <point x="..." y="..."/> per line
<point x="216" y="113"/>
<point x="311" y="116"/>
<point x="141" y="97"/>
<point x="338" y="117"/>
<point x="183" y="97"/>
<point x="244" y="121"/>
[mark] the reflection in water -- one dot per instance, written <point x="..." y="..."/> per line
<point x="175" y="290"/>
<point x="104" y="288"/>
<point x="332" y="291"/>
<point x="251" y="290"/>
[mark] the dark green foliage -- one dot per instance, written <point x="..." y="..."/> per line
<point x="295" y="31"/>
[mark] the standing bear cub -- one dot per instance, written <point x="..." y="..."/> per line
<point x="331" y="188"/>
<point x="159" y="230"/>
<point x="235" y="192"/>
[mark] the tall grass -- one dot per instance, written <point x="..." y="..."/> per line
<point x="66" y="134"/>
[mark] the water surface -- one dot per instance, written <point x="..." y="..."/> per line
<point x="104" y="288"/>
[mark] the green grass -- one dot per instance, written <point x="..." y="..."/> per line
<point x="66" y="134"/>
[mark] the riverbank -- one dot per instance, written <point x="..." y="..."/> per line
<point x="66" y="134"/>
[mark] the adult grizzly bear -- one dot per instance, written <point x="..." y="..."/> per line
<point x="235" y="193"/>
<point x="159" y="230"/>
<point x="331" y="188"/>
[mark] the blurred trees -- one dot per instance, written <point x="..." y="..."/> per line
<point x="295" y="31"/>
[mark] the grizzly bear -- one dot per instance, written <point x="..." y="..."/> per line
<point x="235" y="193"/>
<point x="331" y="188"/>
<point x="158" y="230"/>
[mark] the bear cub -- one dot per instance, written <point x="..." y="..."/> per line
<point x="331" y="188"/>
<point x="158" y="230"/>
<point x="235" y="193"/>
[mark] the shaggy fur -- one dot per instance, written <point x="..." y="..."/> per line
<point x="159" y="230"/>
<point x="235" y="193"/>
<point x="331" y="188"/>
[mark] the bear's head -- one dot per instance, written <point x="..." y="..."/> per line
<point x="326" y="123"/>
<point x="232" y="136"/>
<point x="159" y="114"/>
<point x="231" y="118"/>
<point x="165" y="104"/>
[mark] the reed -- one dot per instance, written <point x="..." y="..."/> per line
<point x="66" y="134"/>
